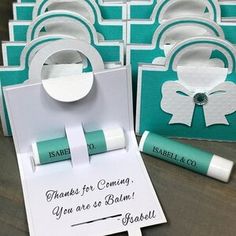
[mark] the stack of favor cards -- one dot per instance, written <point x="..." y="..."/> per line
<point x="154" y="27"/>
<point x="184" y="68"/>
<point x="38" y="23"/>
<point x="66" y="97"/>
<point x="136" y="33"/>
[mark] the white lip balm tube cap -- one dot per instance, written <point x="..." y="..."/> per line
<point x="35" y="154"/>
<point x="115" y="138"/>
<point x="220" y="168"/>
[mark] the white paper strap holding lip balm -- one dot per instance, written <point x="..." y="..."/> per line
<point x="205" y="86"/>
<point x="78" y="150"/>
<point x="71" y="88"/>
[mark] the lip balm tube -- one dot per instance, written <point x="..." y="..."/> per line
<point x="100" y="141"/>
<point x="186" y="156"/>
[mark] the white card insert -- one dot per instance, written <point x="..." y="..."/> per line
<point x="111" y="194"/>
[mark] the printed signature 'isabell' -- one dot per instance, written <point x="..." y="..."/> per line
<point x="130" y="219"/>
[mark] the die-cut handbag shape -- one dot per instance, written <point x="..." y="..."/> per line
<point x="28" y="10"/>
<point x="105" y="101"/>
<point x="144" y="9"/>
<point x="211" y="10"/>
<point x="111" y="51"/>
<point x="19" y="58"/>
<point x="166" y="36"/>
<point x="109" y="30"/>
<point x="187" y="100"/>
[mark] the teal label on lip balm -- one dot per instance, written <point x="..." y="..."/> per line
<point x="96" y="142"/>
<point x="58" y="149"/>
<point x="53" y="150"/>
<point x="177" y="153"/>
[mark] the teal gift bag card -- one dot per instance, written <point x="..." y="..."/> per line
<point x="28" y="10"/>
<point x="165" y="37"/>
<point x="64" y="63"/>
<point x="57" y="21"/>
<point x="73" y="26"/>
<point x="13" y="75"/>
<point x="144" y="9"/>
<point x="190" y="98"/>
<point x="166" y="10"/>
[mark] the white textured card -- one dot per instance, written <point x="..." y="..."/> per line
<point x="111" y="194"/>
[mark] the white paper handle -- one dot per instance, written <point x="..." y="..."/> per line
<point x="213" y="44"/>
<point x="166" y="10"/>
<point x="66" y="89"/>
<point x="32" y="47"/>
<point x="176" y="30"/>
<point x="79" y="150"/>
<point x="50" y="49"/>
<point x="83" y="8"/>
<point x="64" y="23"/>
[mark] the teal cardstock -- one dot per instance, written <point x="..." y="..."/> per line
<point x="19" y="59"/>
<point x="148" y="26"/>
<point x="228" y="9"/>
<point x="141" y="54"/>
<point x="25" y="11"/>
<point x="115" y="30"/>
<point x="145" y="9"/>
<point x="151" y="80"/>
<point x="111" y="52"/>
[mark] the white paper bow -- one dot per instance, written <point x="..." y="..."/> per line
<point x="178" y="97"/>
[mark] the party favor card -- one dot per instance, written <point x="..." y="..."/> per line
<point x="107" y="29"/>
<point x="144" y="9"/>
<point x="190" y="98"/>
<point x="166" y="10"/>
<point x="112" y="51"/>
<point x="18" y="56"/>
<point x="28" y="10"/>
<point x="98" y="195"/>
